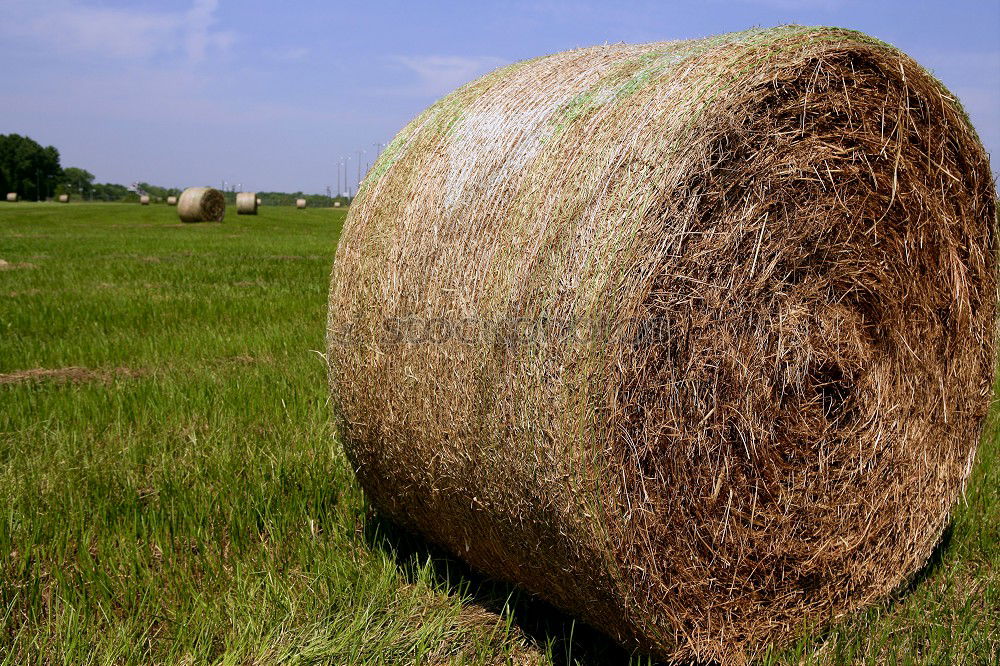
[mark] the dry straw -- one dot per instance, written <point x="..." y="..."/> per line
<point x="717" y="368"/>
<point x="171" y="200"/>
<point x="12" y="196"/>
<point x="201" y="204"/>
<point x="246" y="203"/>
<point x="63" y="198"/>
<point x="300" y="203"/>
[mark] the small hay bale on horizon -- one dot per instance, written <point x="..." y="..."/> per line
<point x="144" y="200"/>
<point x="300" y="203"/>
<point x="246" y="203"/>
<point x="717" y="371"/>
<point x="12" y="197"/>
<point x="201" y="204"/>
<point x="259" y="202"/>
<point x="63" y="198"/>
<point x="171" y="200"/>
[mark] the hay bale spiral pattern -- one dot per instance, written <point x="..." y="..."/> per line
<point x="201" y="204"/>
<point x="715" y="370"/>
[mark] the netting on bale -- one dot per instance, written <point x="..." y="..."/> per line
<point x="716" y="369"/>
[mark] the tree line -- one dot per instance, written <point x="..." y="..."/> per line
<point x="34" y="172"/>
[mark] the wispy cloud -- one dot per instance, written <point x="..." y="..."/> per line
<point x="286" y="54"/>
<point x="829" y="5"/>
<point x="436" y="75"/>
<point x="78" y="27"/>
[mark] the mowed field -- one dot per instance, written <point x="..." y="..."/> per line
<point x="171" y="491"/>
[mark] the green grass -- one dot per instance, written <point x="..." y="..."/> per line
<point x="174" y="494"/>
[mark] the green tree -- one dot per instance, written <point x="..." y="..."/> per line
<point x="27" y="168"/>
<point x="78" y="181"/>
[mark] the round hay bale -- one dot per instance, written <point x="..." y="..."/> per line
<point x="246" y="203"/>
<point x="12" y="197"/>
<point x="300" y="203"/>
<point x="201" y="204"/>
<point x="171" y="200"/>
<point x="63" y="198"/>
<point x="336" y="204"/>
<point x="717" y="369"/>
<point x="259" y="202"/>
<point x="144" y="200"/>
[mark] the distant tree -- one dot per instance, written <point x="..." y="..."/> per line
<point x="78" y="181"/>
<point x="112" y="192"/>
<point x="27" y="168"/>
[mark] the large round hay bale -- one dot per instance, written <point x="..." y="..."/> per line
<point x="716" y="370"/>
<point x="12" y="197"/>
<point x="63" y="198"/>
<point x="300" y="203"/>
<point x="171" y="200"/>
<point x="201" y="204"/>
<point x="246" y="203"/>
<point x="144" y="200"/>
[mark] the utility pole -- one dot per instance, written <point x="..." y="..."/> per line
<point x="359" y="168"/>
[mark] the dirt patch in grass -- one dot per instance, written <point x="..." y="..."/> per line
<point x="73" y="374"/>
<point x="9" y="266"/>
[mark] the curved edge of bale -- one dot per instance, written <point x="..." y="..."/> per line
<point x="201" y="204"/>
<point x="246" y="203"/>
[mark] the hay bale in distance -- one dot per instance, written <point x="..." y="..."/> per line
<point x="246" y="203"/>
<point x="144" y="200"/>
<point x="300" y="203"/>
<point x="718" y="368"/>
<point x="336" y="204"/>
<point x="171" y="200"/>
<point x="63" y="198"/>
<point x="259" y="202"/>
<point x="12" y="197"/>
<point x="201" y="204"/>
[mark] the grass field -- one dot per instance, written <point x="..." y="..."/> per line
<point x="170" y="491"/>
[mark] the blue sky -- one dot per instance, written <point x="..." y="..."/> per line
<point x="272" y="95"/>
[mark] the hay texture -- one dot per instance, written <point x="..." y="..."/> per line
<point x="63" y="198"/>
<point x="246" y="203"/>
<point x="144" y="200"/>
<point x="300" y="203"/>
<point x="171" y="200"/>
<point x="717" y="368"/>
<point x="201" y="204"/>
<point x="12" y="197"/>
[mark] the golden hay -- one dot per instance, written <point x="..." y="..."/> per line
<point x="201" y="204"/>
<point x="246" y="203"/>
<point x="300" y="203"/>
<point x="716" y="370"/>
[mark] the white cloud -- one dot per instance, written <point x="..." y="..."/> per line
<point x="437" y="75"/>
<point x="77" y="27"/>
